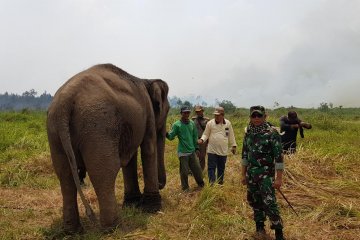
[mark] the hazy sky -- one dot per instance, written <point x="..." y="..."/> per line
<point x="294" y="52"/>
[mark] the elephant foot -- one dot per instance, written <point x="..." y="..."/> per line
<point x="151" y="202"/>
<point x="72" y="230"/>
<point x="132" y="200"/>
<point x="109" y="228"/>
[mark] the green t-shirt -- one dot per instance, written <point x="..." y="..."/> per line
<point x="187" y="135"/>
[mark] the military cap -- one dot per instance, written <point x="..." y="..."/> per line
<point x="259" y="109"/>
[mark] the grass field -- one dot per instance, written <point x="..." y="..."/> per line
<point x="322" y="181"/>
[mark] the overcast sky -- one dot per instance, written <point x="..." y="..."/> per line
<point x="294" y="52"/>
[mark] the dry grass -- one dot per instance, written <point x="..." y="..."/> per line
<point x="323" y="188"/>
<point x="327" y="204"/>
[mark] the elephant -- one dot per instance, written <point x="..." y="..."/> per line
<point x="96" y="122"/>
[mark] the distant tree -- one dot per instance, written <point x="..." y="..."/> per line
<point x="276" y="104"/>
<point x="228" y="106"/>
<point x="28" y="100"/>
<point x="323" y="106"/>
<point x="187" y="103"/>
<point x="173" y="101"/>
<point x="30" y="93"/>
<point x="204" y="104"/>
<point x="179" y="102"/>
<point x="176" y="102"/>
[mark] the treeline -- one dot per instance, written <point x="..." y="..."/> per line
<point x="176" y="102"/>
<point x="32" y="101"/>
<point x="27" y="100"/>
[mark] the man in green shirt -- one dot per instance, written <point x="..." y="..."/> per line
<point x="186" y="132"/>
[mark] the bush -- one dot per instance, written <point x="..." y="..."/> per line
<point x="228" y="106"/>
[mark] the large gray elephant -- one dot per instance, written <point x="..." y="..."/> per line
<point x="97" y="121"/>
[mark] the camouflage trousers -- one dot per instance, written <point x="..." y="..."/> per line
<point x="261" y="197"/>
<point x="202" y="156"/>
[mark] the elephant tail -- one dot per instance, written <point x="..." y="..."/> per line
<point x="64" y="135"/>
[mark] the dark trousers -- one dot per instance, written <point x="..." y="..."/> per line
<point x="289" y="147"/>
<point x="188" y="163"/>
<point x="216" y="162"/>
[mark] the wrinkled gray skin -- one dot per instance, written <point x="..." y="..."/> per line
<point x="98" y="120"/>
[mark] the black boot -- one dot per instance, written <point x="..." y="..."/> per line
<point x="260" y="228"/>
<point x="279" y="234"/>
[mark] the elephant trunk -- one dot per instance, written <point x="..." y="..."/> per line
<point x="160" y="156"/>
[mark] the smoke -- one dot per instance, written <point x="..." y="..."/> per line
<point x="324" y="67"/>
<point x="319" y="63"/>
<point x="298" y="53"/>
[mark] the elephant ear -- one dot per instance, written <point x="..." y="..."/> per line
<point x="158" y="93"/>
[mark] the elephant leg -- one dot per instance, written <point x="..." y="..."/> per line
<point x="71" y="220"/>
<point x="160" y="159"/>
<point x="70" y="207"/>
<point x="103" y="165"/>
<point x="151" y="197"/>
<point x="132" y="194"/>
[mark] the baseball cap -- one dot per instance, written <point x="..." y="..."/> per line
<point x="259" y="109"/>
<point x="185" y="109"/>
<point x="219" y="111"/>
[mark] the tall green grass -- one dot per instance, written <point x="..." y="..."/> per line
<point x="22" y="135"/>
<point x="24" y="149"/>
<point x="321" y="181"/>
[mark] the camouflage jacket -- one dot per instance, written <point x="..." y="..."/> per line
<point x="200" y="123"/>
<point x="262" y="153"/>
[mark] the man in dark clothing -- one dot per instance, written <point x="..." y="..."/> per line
<point x="289" y="126"/>
<point x="200" y="123"/>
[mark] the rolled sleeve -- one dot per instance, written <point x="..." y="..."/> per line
<point x="277" y="152"/>
<point x="232" y="136"/>
<point x="279" y="166"/>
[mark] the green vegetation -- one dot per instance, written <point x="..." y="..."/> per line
<point x="24" y="150"/>
<point x="321" y="181"/>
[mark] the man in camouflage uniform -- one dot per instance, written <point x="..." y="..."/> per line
<point x="261" y="158"/>
<point x="200" y="123"/>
